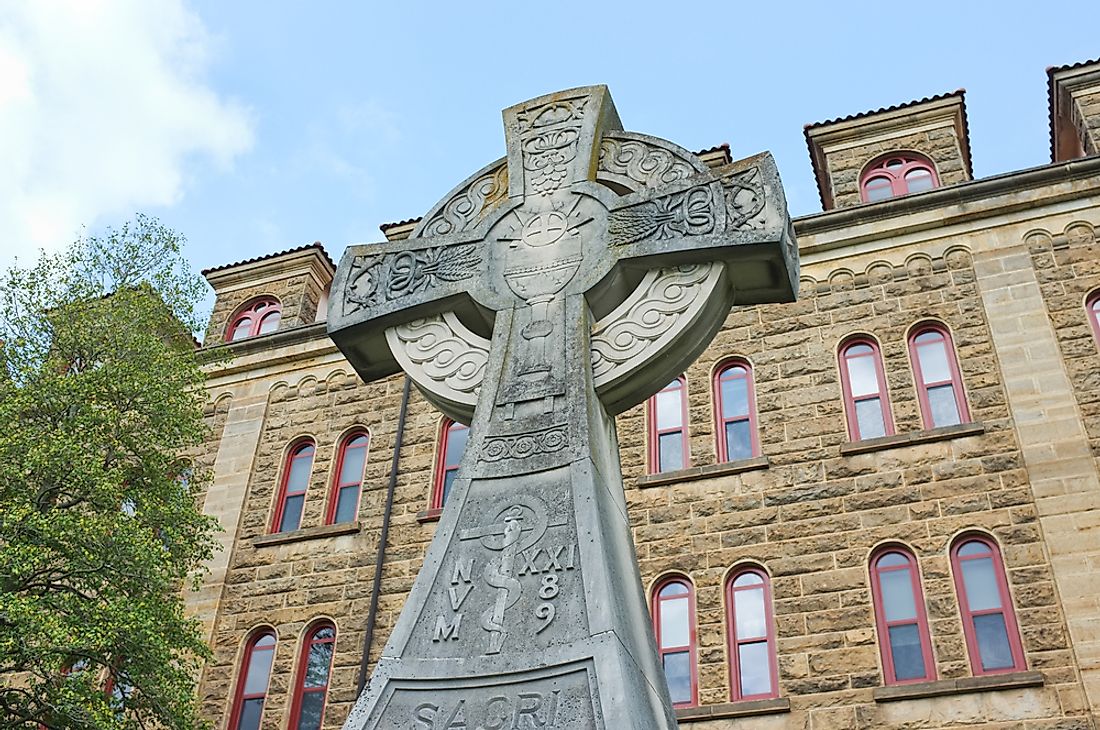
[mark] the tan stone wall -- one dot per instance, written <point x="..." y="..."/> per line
<point x="939" y="145"/>
<point x="810" y="518"/>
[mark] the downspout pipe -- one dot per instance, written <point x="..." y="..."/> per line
<point x="383" y="538"/>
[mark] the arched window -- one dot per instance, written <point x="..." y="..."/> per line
<point x="668" y="444"/>
<point x="1092" y="304"/>
<point x="753" y="669"/>
<point x="248" y="700"/>
<point x="311" y="687"/>
<point x="735" y="403"/>
<point x="348" y="482"/>
<point x="292" y="489"/>
<point x="452" y="444"/>
<point x="256" y="318"/>
<point x="936" y="371"/>
<point x="900" y="617"/>
<point x="866" y="401"/>
<point x="989" y="623"/>
<point x="897" y="174"/>
<point x="674" y="626"/>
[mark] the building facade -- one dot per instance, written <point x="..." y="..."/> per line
<point x="878" y="506"/>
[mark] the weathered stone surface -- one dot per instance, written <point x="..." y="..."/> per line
<point x="528" y="610"/>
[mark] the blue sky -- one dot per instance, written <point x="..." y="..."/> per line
<point x="256" y="126"/>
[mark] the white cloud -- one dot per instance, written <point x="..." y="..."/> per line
<point x="103" y="103"/>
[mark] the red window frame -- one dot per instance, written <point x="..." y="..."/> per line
<point x="338" y="485"/>
<point x="721" y="421"/>
<point x="882" y="394"/>
<point x="239" y="696"/>
<point x="955" y="379"/>
<point x="446" y="462"/>
<point x="735" y="641"/>
<point x="256" y="312"/>
<point x="655" y="466"/>
<point x="883" y="626"/>
<point x="879" y="169"/>
<point x="296" y="451"/>
<point x="1092" y="303"/>
<point x="691" y="646"/>
<point x="300" y="690"/>
<point x="1006" y="608"/>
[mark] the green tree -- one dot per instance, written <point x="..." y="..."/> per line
<point x="100" y="404"/>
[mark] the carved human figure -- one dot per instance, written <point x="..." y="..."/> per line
<point x="541" y="297"/>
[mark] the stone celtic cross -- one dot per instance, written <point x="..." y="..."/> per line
<point x="550" y="291"/>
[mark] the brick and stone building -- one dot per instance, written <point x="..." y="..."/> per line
<point x="878" y="506"/>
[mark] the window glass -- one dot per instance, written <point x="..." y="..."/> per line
<point x="898" y="602"/>
<point x="313" y="704"/>
<point x="749" y="612"/>
<point x="355" y="458"/>
<point x="738" y="440"/>
<point x="944" y="406"/>
<point x="270" y="322"/>
<point x="905" y="647"/>
<point x="669" y="409"/>
<point x="980" y="579"/>
<point x="993" y="645"/>
<point x="748" y="578"/>
<point x="870" y="419"/>
<point x="457" y="436"/>
<point x="734" y="392"/>
<point x="892" y="560"/>
<point x="251" y="713"/>
<point x="671" y="451"/>
<point x="919" y="180"/>
<point x="677" y="667"/>
<point x="346" y="503"/>
<point x="862" y="374"/>
<point x="292" y="513"/>
<point x="755" y="668"/>
<point x="878" y="188"/>
<point x="932" y="352"/>
<point x="259" y="666"/>
<point x="675" y="626"/>
<point x="674" y="589"/>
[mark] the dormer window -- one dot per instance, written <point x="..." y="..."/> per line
<point x="897" y="174"/>
<point x="258" y="317"/>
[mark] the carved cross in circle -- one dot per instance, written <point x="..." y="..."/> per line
<point x="578" y="208"/>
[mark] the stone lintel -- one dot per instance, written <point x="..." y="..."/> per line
<point x="987" y="683"/>
<point x="709" y="471"/>
<point x="744" y="708"/>
<point x="883" y="443"/>
<point x="307" y="533"/>
<point x="1074" y="110"/>
<point x="429" y="515"/>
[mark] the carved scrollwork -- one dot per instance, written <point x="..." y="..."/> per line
<point x="379" y="278"/>
<point x="442" y="355"/>
<point x="656" y="309"/>
<point x="469" y="206"/>
<point x="646" y="164"/>
<point x="745" y="198"/>
<point x="685" y="213"/>
<point x="523" y="445"/>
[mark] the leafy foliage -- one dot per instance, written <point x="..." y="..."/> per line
<point x="100" y="403"/>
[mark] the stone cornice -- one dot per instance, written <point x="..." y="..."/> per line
<point x="311" y="261"/>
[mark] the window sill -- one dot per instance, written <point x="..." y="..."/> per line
<point x="917" y="437"/>
<point x="744" y="708"/>
<point x="986" y="683"/>
<point x="702" y="472"/>
<point x="308" y="533"/>
<point x="429" y="515"/>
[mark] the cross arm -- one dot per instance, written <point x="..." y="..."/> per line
<point x="382" y="285"/>
<point x="736" y="213"/>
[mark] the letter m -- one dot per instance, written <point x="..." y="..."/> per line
<point x="444" y="630"/>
